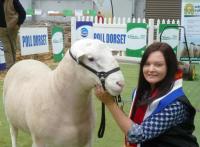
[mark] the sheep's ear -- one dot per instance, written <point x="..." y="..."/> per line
<point x="82" y="47"/>
<point x="80" y="53"/>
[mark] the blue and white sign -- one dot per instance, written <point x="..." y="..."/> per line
<point x="114" y="37"/>
<point x="34" y="40"/>
<point x="84" y="29"/>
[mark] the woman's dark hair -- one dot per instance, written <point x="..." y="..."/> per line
<point x="172" y="66"/>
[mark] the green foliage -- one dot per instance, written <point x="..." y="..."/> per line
<point x="113" y="136"/>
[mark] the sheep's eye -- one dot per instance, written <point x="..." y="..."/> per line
<point x="91" y="59"/>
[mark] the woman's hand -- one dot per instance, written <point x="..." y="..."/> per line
<point x="103" y="95"/>
<point x="122" y="120"/>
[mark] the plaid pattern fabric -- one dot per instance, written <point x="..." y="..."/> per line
<point x="158" y="123"/>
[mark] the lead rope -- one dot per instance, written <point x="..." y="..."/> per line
<point x="119" y="102"/>
<point x="103" y="115"/>
<point x="103" y="122"/>
<point x="102" y="127"/>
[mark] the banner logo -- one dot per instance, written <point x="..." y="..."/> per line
<point x="84" y="32"/>
<point x="189" y="9"/>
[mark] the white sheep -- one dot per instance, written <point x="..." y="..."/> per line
<point x="55" y="106"/>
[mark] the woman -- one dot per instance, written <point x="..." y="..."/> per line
<point x="161" y="115"/>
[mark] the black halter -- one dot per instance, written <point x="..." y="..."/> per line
<point x="102" y="76"/>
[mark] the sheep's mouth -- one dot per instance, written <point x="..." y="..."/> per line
<point x="114" y="87"/>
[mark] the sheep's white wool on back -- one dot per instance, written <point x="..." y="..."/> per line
<point x="55" y="106"/>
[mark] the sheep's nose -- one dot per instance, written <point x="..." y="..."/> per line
<point x="120" y="84"/>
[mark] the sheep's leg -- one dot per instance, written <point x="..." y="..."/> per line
<point x="37" y="142"/>
<point x="13" y="133"/>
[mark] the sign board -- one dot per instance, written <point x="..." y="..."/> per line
<point x="170" y="34"/>
<point x="113" y="35"/>
<point x="191" y="20"/>
<point x="57" y="43"/>
<point x="33" y="40"/>
<point x="136" y="39"/>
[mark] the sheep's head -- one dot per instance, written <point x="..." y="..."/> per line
<point x="97" y="56"/>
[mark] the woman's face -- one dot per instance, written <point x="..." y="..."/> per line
<point x="155" y="68"/>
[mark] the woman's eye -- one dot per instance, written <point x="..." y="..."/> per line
<point x="159" y="64"/>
